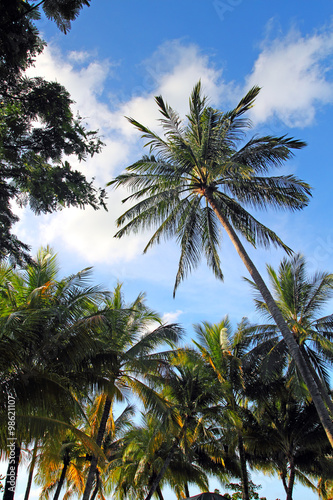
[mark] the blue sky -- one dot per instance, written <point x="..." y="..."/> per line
<point x="116" y="58"/>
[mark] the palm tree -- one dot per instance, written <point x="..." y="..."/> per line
<point x="300" y="298"/>
<point x="199" y="180"/>
<point x="65" y="457"/>
<point x="46" y="327"/>
<point x="34" y="458"/>
<point x="146" y="448"/>
<point x="188" y="409"/>
<point x="127" y="351"/>
<point x="224" y="352"/>
<point x="287" y="437"/>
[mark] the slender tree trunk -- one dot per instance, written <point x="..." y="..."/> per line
<point x="94" y="493"/>
<point x="320" y="383"/>
<point x="159" y="492"/>
<point x="160" y="475"/>
<point x="66" y="462"/>
<point x="13" y="463"/>
<point x="99" y="440"/>
<point x="279" y="320"/>
<point x="244" y="474"/>
<point x="187" y="491"/>
<point x="284" y="482"/>
<point x="167" y="461"/>
<point x="31" y="471"/>
<point x="291" y="480"/>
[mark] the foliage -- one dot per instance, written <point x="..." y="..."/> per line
<point x="127" y="354"/>
<point x="47" y="328"/>
<point x="63" y="13"/>
<point x="183" y="448"/>
<point x="224" y="353"/>
<point x="201" y="172"/>
<point x="237" y="488"/>
<point x="301" y="298"/>
<point x="287" y="437"/>
<point x="67" y="346"/>
<point x="38" y="131"/>
<point x="63" y="342"/>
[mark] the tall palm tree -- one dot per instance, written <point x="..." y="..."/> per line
<point x="145" y="449"/>
<point x="224" y="353"/>
<point x="65" y="457"/>
<point x="300" y="297"/>
<point x="187" y="410"/>
<point x="199" y="180"/>
<point x="31" y="469"/>
<point x="287" y="437"/>
<point x="46" y="326"/>
<point x="127" y="352"/>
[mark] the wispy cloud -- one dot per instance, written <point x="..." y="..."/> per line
<point x="295" y="79"/>
<point x="171" y="317"/>
<point x="89" y="233"/>
<point x="294" y="73"/>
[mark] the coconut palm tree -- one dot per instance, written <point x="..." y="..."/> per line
<point x="46" y="326"/>
<point x="187" y="410"/>
<point x="127" y="352"/>
<point x="224" y="352"/>
<point x="31" y="469"/>
<point x="145" y="449"/>
<point x="301" y="298"/>
<point x="65" y="457"/>
<point x="287" y="437"/>
<point x="197" y="179"/>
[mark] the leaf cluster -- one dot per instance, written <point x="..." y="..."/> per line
<point x="201" y="173"/>
<point x="38" y="130"/>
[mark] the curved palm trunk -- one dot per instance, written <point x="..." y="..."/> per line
<point x="159" y="493"/>
<point x="11" y="475"/>
<point x="66" y="462"/>
<point x="320" y="384"/>
<point x="166" y="464"/>
<point x="291" y="480"/>
<point x="244" y="474"/>
<point x="160" y="475"/>
<point x="31" y="471"/>
<point x="279" y="320"/>
<point x="99" y="440"/>
<point x="284" y="482"/>
<point x="94" y="493"/>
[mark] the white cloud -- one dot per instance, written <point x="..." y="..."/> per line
<point x="171" y="71"/>
<point x="177" y="68"/>
<point x="79" y="57"/>
<point x="89" y="233"/>
<point x="84" y="84"/>
<point x="171" y="317"/>
<point x="293" y="74"/>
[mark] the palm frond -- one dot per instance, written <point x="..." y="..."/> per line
<point x="250" y="228"/>
<point x="200" y="163"/>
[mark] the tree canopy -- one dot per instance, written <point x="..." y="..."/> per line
<point x="38" y="130"/>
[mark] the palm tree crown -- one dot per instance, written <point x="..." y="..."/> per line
<point x="198" y="169"/>
<point x="301" y="299"/>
